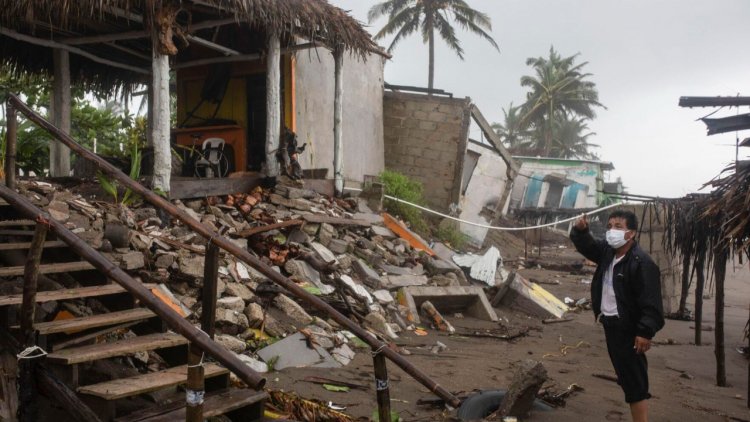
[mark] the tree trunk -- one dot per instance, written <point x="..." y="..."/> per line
<point x="720" y="269"/>
<point x="273" y="107"/>
<point x="431" y="40"/>
<point x="161" y="123"/>
<point x="59" y="154"/>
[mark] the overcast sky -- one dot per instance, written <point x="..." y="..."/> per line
<point x="643" y="54"/>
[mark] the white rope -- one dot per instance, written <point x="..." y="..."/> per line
<point x="596" y="211"/>
<point x="32" y="352"/>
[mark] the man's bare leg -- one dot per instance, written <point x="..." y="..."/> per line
<point x="639" y="411"/>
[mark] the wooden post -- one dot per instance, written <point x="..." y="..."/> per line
<point x="273" y="105"/>
<point x="10" y="145"/>
<point x="210" y="280"/>
<point x="160" y="131"/>
<point x="700" y="281"/>
<point x="195" y="386"/>
<point x="525" y="242"/>
<point x="382" y="387"/>
<point x="27" y="389"/>
<point x="685" y="283"/>
<point x="748" y="366"/>
<point x="59" y="154"/>
<point x="338" y="111"/>
<point x="720" y="269"/>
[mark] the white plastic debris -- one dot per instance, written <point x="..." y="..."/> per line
<point x="483" y="267"/>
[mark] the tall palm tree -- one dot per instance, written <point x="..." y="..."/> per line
<point x="512" y="131"/>
<point x="407" y="16"/>
<point x="571" y="136"/>
<point x="558" y="86"/>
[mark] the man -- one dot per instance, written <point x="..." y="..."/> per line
<point x="626" y="298"/>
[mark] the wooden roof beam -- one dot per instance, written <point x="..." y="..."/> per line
<point x="141" y="33"/>
<point x="213" y="46"/>
<point x="54" y="44"/>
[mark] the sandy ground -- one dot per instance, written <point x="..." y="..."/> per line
<point x="481" y="363"/>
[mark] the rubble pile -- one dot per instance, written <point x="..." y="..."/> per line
<point x="368" y="266"/>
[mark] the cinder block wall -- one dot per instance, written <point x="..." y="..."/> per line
<point x="425" y="138"/>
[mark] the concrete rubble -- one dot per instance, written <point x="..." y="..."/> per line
<point x="368" y="266"/>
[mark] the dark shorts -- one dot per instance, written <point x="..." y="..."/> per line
<point x="631" y="368"/>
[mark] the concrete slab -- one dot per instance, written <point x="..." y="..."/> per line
<point x="393" y="282"/>
<point x="392" y="269"/>
<point x="469" y="300"/>
<point x="385" y="232"/>
<point x="532" y="299"/>
<point x="367" y="275"/>
<point x="293" y="352"/>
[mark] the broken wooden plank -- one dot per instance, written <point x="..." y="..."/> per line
<point x="336" y="221"/>
<point x="214" y="405"/>
<point x="90" y="336"/>
<point x="65" y="294"/>
<point x="116" y="348"/>
<point x="26" y="245"/>
<point x="94" y="321"/>
<point x="261" y="229"/>
<point x="126" y="387"/>
<point x="62" y="267"/>
<point x="13" y="223"/>
<point x="201" y="188"/>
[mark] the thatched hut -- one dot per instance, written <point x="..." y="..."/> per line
<point x="233" y="61"/>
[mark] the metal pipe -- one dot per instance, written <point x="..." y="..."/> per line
<point x="238" y="252"/>
<point x="174" y="320"/>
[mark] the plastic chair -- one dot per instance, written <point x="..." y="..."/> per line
<point x="213" y="162"/>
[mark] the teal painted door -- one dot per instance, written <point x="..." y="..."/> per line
<point x="570" y="196"/>
<point x="533" y="190"/>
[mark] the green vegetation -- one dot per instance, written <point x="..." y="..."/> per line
<point x="402" y="187"/>
<point x="111" y="186"/>
<point x="426" y="16"/>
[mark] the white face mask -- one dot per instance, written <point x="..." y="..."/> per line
<point x="616" y="238"/>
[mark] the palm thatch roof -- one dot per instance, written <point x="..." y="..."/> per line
<point x="74" y="23"/>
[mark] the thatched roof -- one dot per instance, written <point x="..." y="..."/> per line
<point x="63" y="20"/>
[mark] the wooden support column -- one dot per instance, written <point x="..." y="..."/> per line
<point x="210" y="280"/>
<point x="338" y="111"/>
<point x="59" y="154"/>
<point x="699" y="286"/>
<point x="382" y="387"/>
<point x="685" y="283"/>
<point x="10" y="145"/>
<point x="161" y="124"/>
<point x="273" y="105"/>
<point x="27" y="387"/>
<point x="720" y="269"/>
<point x="196" y="376"/>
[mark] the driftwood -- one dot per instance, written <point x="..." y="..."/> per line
<point x="261" y="229"/>
<point x="523" y="390"/>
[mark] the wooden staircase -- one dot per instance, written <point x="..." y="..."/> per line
<point x="74" y="344"/>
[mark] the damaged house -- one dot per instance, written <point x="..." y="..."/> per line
<point x="427" y="138"/>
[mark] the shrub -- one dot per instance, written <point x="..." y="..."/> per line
<point x="402" y="187"/>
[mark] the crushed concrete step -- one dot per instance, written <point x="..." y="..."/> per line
<point x="116" y="348"/>
<point x="145" y="383"/>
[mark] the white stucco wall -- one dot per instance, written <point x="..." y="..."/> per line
<point x="362" y="130"/>
<point x="485" y="189"/>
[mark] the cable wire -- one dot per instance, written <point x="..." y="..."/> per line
<point x="485" y="226"/>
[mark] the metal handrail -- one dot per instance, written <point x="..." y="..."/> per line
<point x="232" y="248"/>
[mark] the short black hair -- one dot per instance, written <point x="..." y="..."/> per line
<point x="630" y="219"/>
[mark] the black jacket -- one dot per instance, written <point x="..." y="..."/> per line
<point x="636" y="282"/>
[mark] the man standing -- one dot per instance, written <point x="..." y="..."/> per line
<point x="626" y="298"/>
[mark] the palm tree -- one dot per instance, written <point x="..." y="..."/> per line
<point x="512" y="132"/>
<point x="407" y="16"/>
<point x="571" y="136"/>
<point x="559" y="86"/>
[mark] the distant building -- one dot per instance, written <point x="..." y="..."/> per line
<point x="561" y="183"/>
